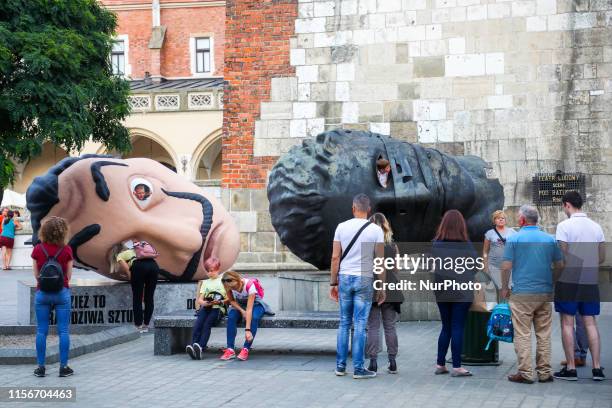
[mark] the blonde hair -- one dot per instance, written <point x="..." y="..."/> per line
<point x="112" y="257"/>
<point x="54" y="231"/>
<point x="497" y="214"/>
<point x="233" y="275"/>
<point x="380" y="220"/>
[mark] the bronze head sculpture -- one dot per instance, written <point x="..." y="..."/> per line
<point x="311" y="187"/>
<point x="107" y="201"/>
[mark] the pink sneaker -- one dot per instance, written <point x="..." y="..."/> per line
<point x="228" y="354"/>
<point x="244" y="354"/>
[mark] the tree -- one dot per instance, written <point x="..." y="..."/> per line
<point x="56" y="82"/>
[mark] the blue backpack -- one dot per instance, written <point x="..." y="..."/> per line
<point x="500" y="324"/>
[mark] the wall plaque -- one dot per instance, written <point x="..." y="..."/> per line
<point x="549" y="188"/>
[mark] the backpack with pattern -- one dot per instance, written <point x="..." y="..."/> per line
<point x="500" y="324"/>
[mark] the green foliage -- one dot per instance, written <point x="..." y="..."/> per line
<point x="56" y="83"/>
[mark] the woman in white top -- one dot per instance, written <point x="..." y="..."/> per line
<point x="494" y="245"/>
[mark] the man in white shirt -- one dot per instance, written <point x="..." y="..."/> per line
<point x="577" y="290"/>
<point x="351" y="282"/>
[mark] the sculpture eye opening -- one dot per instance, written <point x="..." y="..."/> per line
<point x="141" y="190"/>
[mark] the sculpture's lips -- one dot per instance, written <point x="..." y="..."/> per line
<point x="213" y="236"/>
<point x="205" y="228"/>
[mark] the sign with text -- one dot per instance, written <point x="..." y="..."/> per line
<point x="549" y="188"/>
<point x="107" y="303"/>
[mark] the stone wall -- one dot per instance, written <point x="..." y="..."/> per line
<point x="524" y="84"/>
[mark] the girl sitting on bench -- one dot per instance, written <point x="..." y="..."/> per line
<point x="245" y="296"/>
<point x="211" y="300"/>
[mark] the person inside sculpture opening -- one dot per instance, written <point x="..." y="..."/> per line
<point x="211" y="299"/>
<point x="53" y="235"/>
<point x="451" y="241"/>
<point x="142" y="192"/>
<point x="388" y="312"/>
<point x="356" y="242"/>
<point x="7" y="238"/>
<point x="143" y="272"/>
<point x="383" y="169"/>
<point x="245" y="295"/>
<point x="493" y="246"/>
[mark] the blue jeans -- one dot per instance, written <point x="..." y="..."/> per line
<point x="206" y="320"/>
<point x="453" y="315"/>
<point x="355" y="296"/>
<point x="44" y="303"/>
<point x="234" y="317"/>
<point x="581" y="340"/>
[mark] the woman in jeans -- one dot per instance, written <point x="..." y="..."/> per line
<point x="387" y="312"/>
<point x="245" y="297"/>
<point x="451" y="241"/>
<point x="143" y="275"/>
<point x="53" y="235"/>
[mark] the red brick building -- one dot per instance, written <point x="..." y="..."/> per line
<point x="256" y="50"/>
<point x="183" y="22"/>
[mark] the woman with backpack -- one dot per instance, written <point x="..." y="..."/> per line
<point x="52" y="269"/>
<point x="387" y="312"/>
<point x="7" y="238"/>
<point x="245" y="297"/>
<point x="452" y="242"/>
<point x="138" y="262"/>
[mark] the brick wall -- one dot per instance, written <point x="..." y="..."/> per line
<point x="181" y="24"/>
<point x="256" y="50"/>
<point x="136" y="24"/>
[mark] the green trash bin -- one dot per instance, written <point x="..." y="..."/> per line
<point x="475" y="340"/>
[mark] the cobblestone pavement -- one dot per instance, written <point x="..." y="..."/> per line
<point x="129" y="375"/>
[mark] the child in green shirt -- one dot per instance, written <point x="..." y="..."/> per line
<point x="211" y="300"/>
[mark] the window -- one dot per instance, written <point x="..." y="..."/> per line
<point x="118" y="57"/>
<point x="202" y="55"/>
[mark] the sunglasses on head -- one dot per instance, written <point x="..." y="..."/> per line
<point x="227" y="280"/>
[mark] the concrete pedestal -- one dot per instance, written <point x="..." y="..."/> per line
<point x="106" y="302"/>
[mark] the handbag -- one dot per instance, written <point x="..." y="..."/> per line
<point x="144" y="250"/>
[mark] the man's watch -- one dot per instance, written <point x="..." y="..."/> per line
<point x="333" y="284"/>
<point x="247" y="330"/>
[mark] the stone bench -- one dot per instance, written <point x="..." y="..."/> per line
<point x="173" y="331"/>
